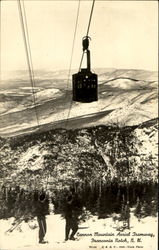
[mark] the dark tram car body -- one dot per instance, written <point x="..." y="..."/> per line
<point x="85" y="86"/>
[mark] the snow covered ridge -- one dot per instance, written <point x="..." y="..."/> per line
<point x="125" y="95"/>
<point x="63" y="74"/>
<point x="32" y="156"/>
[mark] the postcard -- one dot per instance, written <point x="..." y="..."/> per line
<point x="78" y="125"/>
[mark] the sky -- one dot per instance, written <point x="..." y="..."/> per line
<point x="124" y="34"/>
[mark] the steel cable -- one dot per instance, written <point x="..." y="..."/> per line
<point x="88" y="28"/>
<point x="78" y="8"/>
<point x="28" y="52"/>
<point x="89" y="23"/>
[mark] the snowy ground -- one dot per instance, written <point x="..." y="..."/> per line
<point x="25" y="237"/>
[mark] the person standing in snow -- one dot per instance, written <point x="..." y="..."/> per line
<point x="42" y="209"/>
<point x="72" y="208"/>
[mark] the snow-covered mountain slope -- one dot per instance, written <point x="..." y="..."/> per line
<point x="126" y="97"/>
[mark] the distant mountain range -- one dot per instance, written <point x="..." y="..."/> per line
<point x="127" y="97"/>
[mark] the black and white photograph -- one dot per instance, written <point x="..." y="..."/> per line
<point x="78" y="124"/>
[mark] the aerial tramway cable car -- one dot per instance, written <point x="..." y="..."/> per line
<point x="85" y="87"/>
<point x="85" y="83"/>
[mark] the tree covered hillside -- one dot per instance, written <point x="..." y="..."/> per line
<point x="60" y="156"/>
<point x="101" y="162"/>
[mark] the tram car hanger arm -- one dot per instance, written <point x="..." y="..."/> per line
<point x="85" y="42"/>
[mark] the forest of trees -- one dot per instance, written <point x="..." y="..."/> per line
<point x="112" y="169"/>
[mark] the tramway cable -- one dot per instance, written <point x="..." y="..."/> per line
<point x="92" y="92"/>
<point x="87" y="33"/>
<point x="73" y="42"/>
<point x="25" y="34"/>
<point x="29" y="49"/>
<point x="78" y="9"/>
